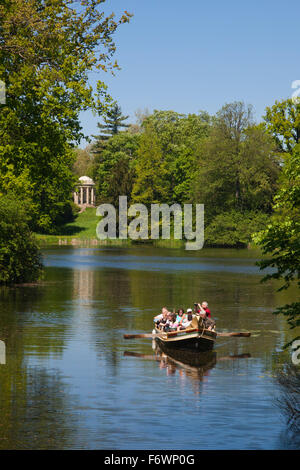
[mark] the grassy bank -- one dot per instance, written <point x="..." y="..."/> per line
<point x="83" y="232"/>
<point x="80" y="232"/>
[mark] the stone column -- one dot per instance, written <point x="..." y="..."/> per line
<point x="93" y="196"/>
<point x="81" y="195"/>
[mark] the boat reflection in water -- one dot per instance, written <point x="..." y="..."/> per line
<point x="191" y="364"/>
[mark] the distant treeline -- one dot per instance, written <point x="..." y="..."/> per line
<point x="227" y="162"/>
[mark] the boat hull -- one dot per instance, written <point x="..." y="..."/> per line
<point x="193" y="344"/>
<point x="192" y="341"/>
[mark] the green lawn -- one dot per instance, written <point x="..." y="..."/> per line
<point x="83" y="229"/>
<point x="84" y="226"/>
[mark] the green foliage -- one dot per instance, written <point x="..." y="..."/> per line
<point x="114" y="167"/>
<point x="47" y="50"/>
<point x="20" y="259"/>
<point x="237" y="164"/>
<point x="150" y="186"/>
<point x="67" y="214"/>
<point x="114" y="121"/>
<point x="178" y="136"/>
<point x="283" y="123"/>
<point x="83" y="165"/>
<point x="234" y="228"/>
<point x="281" y="239"/>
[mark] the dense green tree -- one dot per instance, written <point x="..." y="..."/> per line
<point x="224" y="146"/>
<point x="84" y="162"/>
<point x="113" y="122"/>
<point x="234" y="228"/>
<point x="283" y="122"/>
<point x="237" y="166"/>
<point x="260" y="169"/>
<point x="47" y="49"/>
<point x="179" y="136"/>
<point x="114" y="168"/>
<point x="172" y="154"/>
<point x="280" y="241"/>
<point x="20" y="259"/>
<point x="151" y="185"/>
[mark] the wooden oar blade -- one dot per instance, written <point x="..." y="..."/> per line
<point x="145" y="335"/>
<point x="242" y="334"/>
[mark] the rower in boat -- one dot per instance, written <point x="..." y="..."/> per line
<point x="205" y="313"/>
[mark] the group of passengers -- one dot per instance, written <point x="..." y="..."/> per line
<point x="168" y="321"/>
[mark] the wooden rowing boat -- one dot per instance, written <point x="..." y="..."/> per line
<point x="196" y="337"/>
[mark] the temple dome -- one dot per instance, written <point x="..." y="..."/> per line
<point x="86" y="180"/>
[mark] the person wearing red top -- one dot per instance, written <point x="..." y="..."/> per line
<point x="204" y="310"/>
<point x="205" y="313"/>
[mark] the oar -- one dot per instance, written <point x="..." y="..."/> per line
<point x="154" y="335"/>
<point x="242" y="334"/>
<point x="145" y="335"/>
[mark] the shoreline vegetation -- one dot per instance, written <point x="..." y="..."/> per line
<point x="82" y="232"/>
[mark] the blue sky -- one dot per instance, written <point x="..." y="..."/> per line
<point x="198" y="55"/>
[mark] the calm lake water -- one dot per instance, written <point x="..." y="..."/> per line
<point x="71" y="381"/>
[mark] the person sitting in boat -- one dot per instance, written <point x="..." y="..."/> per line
<point x="204" y="310"/>
<point x="187" y="320"/>
<point x="204" y="306"/>
<point x="162" y="317"/>
<point x="184" y="319"/>
<point x="171" y="324"/>
<point x="205" y="313"/>
<point x="180" y="316"/>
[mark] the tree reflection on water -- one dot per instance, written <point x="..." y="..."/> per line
<point x="289" y="401"/>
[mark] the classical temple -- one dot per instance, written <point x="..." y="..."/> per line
<point x="85" y="195"/>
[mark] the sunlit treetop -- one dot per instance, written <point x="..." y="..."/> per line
<point x="50" y="46"/>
